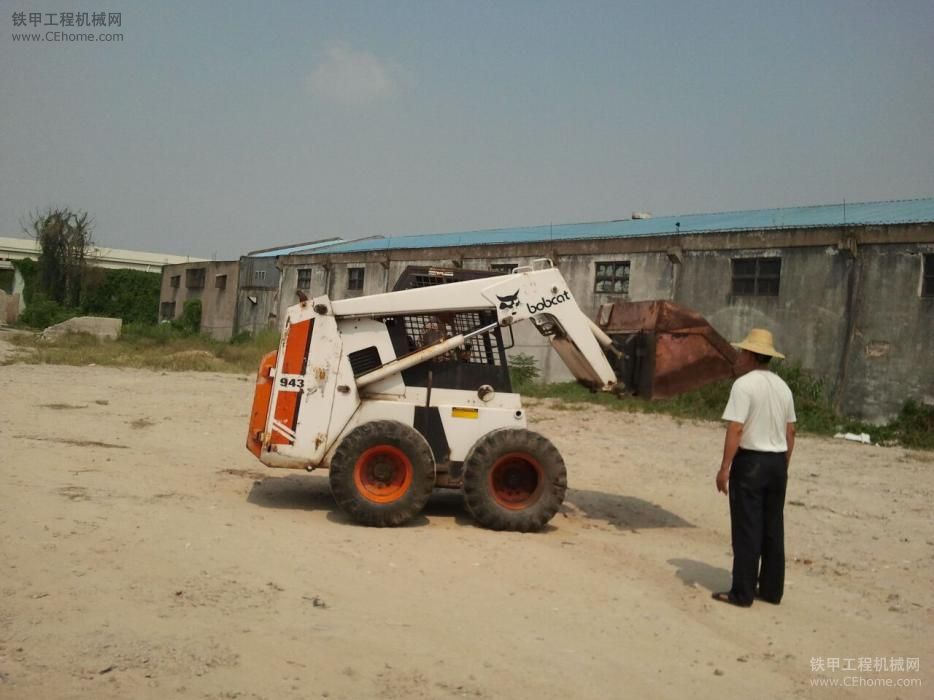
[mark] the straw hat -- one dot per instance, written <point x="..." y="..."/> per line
<point x="759" y="341"/>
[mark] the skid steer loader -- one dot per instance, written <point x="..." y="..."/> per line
<point x="399" y="393"/>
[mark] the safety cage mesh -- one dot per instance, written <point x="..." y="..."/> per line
<point x="423" y="330"/>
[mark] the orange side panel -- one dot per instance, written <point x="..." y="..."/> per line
<point x="297" y="347"/>
<point x="261" y="394"/>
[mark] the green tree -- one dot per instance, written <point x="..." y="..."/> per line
<point x="64" y="239"/>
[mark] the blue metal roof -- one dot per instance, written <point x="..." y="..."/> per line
<point x="295" y="249"/>
<point x="891" y="212"/>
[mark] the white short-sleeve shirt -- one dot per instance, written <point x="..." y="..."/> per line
<point x="763" y="403"/>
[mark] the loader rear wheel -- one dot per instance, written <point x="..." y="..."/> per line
<point x="382" y="473"/>
<point x="514" y="480"/>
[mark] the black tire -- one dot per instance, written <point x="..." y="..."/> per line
<point x="514" y="480"/>
<point x="382" y="473"/>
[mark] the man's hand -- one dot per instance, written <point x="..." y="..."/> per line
<point x="723" y="480"/>
<point x="734" y="432"/>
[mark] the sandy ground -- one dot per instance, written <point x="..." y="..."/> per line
<point x="146" y="554"/>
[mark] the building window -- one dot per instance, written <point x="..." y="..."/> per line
<point x="355" y="278"/>
<point x="175" y="281"/>
<point x="503" y="268"/>
<point x="194" y="278"/>
<point x="757" y="277"/>
<point x="927" y="284"/>
<point x="259" y="275"/>
<point x="304" y="278"/>
<point x="167" y="311"/>
<point x="220" y="281"/>
<point x="7" y="279"/>
<point x="612" y="277"/>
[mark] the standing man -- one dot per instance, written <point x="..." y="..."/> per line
<point x="760" y="436"/>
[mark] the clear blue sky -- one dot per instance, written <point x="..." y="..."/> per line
<point x="219" y="127"/>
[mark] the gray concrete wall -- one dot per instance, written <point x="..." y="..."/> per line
<point x="807" y="318"/>
<point x="257" y="295"/>
<point x="891" y="354"/>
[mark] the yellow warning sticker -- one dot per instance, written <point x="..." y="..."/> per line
<point x="458" y="412"/>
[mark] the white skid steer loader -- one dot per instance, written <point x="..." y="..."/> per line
<point x="398" y="393"/>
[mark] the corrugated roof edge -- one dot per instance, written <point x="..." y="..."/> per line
<point x="293" y="246"/>
<point x="527" y="234"/>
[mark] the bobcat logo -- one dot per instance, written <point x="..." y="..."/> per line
<point x="509" y="302"/>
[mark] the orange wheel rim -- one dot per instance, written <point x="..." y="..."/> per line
<point x="383" y="474"/>
<point x="516" y="480"/>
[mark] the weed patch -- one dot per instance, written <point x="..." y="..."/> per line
<point x="913" y="428"/>
<point x="161" y="347"/>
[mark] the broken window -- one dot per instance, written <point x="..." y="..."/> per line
<point x="758" y="277"/>
<point x="355" y="278"/>
<point x="611" y="277"/>
<point x="304" y="278"/>
<point x="927" y="284"/>
<point x="503" y="268"/>
<point x="194" y="278"/>
<point x="175" y="281"/>
<point x="220" y="281"/>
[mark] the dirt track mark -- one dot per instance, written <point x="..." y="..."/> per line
<point x="74" y="493"/>
<point x="76" y="443"/>
<point x="61" y="406"/>
<point x="246" y="473"/>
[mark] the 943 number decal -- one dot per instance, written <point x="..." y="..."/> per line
<point x="291" y="382"/>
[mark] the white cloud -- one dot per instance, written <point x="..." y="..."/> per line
<point x="351" y="77"/>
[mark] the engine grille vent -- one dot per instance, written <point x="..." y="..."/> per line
<point x="365" y="360"/>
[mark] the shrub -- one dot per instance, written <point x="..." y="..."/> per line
<point x="523" y="370"/>
<point x="914" y="426"/>
<point x="42" y="313"/>
<point x="190" y="319"/>
<point x="29" y="270"/>
<point x="132" y="295"/>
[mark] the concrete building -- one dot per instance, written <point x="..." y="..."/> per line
<point x="11" y="282"/>
<point x="236" y="296"/>
<point x="848" y="290"/>
<point x="214" y="282"/>
<point x="258" y="292"/>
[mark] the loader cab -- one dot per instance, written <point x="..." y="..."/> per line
<point x="483" y="361"/>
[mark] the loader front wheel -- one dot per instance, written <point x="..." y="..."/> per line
<point x="382" y="473"/>
<point x="514" y="480"/>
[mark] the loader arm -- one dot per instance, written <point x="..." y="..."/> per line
<point x="537" y="293"/>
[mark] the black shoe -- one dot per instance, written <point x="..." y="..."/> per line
<point x="730" y="599"/>
<point x="771" y="601"/>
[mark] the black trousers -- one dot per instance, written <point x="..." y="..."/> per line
<point x="757" y="501"/>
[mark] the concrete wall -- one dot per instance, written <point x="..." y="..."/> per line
<point x="848" y="308"/>
<point x="218" y="306"/>
<point x="9" y="308"/>
<point x="257" y="295"/>
<point x="807" y="318"/>
<point x="11" y="293"/>
<point x="891" y="354"/>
